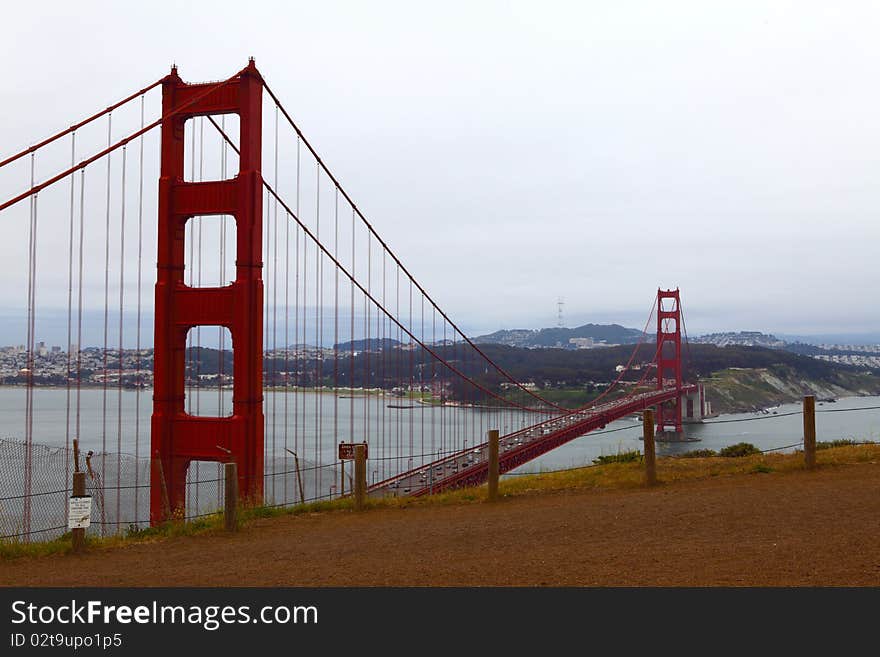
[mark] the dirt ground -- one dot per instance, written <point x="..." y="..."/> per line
<point x="778" y="529"/>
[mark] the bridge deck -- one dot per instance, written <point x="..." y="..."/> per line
<point x="470" y="467"/>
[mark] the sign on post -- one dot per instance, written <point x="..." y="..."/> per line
<point x="79" y="512"/>
<point x="346" y="451"/>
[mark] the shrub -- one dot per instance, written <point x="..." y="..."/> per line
<point x="698" y="454"/>
<point x="620" y="457"/>
<point x="740" y="449"/>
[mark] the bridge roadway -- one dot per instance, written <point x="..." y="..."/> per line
<point x="470" y="467"/>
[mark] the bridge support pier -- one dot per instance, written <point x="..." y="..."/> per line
<point x="694" y="409"/>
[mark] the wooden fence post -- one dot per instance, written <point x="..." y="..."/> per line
<point x="493" y="464"/>
<point x="230" y="511"/>
<point x="810" y="431"/>
<point x="650" y="455"/>
<point x="360" y="476"/>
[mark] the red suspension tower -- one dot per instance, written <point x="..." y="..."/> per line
<point x="178" y="438"/>
<point x="669" y="359"/>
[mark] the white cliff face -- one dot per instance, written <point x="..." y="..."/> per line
<point x="743" y="389"/>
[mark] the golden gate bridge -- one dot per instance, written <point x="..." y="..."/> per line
<point x="261" y="252"/>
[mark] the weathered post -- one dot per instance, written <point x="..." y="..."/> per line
<point x="79" y="490"/>
<point x="230" y="512"/>
<point x="810" y="431"/>
<point x="302" y="494"/>
<point x="493" y="464"/>
<point x="650" y="455"/>
<point x="360" y="476"/>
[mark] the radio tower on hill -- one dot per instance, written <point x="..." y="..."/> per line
<point x="560" y="302"/>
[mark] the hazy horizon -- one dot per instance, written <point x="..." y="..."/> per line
<point x="51" y="328"/>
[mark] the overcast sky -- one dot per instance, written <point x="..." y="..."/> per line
<point x="516" y="152"/>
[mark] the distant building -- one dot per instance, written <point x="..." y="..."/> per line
<point x="590" y="343"/>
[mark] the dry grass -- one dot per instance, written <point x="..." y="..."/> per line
<point x="613" y="476"/>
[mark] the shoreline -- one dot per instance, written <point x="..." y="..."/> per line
<point x="361" y="393"/>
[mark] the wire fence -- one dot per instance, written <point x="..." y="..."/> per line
<point x="125" y="506"/>
<point x="770" y="416"/>
<point x="120" y="484"/>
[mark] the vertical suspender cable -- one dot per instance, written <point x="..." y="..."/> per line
<point x="190" y="236"/>
<point x="138" y="363"/>
<point x="69" y="309"/>
<point x="79" y="305"/>
<point x="221" y="333"/>
<point x="267" y="235"/>
<point x="398" y="377"/>
<point x="380" y="396"/>
<point x="445" y="377"/>
<point x="336" y="324"/>
<point x="274" y="361"/>
<point x="411" y="373"/>
<point x="286" y="328"/>
<point x="305" y="269"/>
<point x="106" y="319"/>
<point x="121" y="323"/>
<point x="198" y="350"/>
<point x="422" y="378"/>
<point x="29" y="356"/>
<point x="351" y="333"/>
<point x="318" y="342"/>
<point x="367" y="297"/>
<point x="379" y="371"/>
<point x="296" y="349"/>
<point x="433" y="378"/>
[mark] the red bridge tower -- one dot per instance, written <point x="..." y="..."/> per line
<point x="669" y="362"/>
<point x="178" y="438"/>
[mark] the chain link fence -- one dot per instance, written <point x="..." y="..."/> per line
<point x="33" y="500"/>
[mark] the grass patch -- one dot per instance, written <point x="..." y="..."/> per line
<point x="760" y="468"/>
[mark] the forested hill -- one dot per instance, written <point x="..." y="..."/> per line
<point x="700" y="361"/>
<point x="739" y="377"/>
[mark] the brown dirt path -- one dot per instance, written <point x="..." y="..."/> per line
<point x="800" y="528"/>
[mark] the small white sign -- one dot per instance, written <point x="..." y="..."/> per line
<point x="79" y="512"/>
